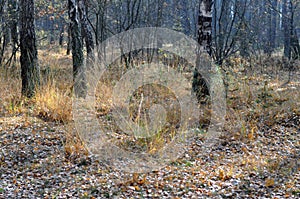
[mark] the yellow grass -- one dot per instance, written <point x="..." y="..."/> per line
<point x="53" y="104"/>
<point x="252" y="99"/>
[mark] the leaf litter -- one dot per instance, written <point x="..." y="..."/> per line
<point x="33" y="165"/>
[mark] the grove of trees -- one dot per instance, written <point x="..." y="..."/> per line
<point x="222" y="27"/>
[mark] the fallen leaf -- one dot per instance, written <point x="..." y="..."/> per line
<point x="221" y="174"/>
<point x="269" y="182"/>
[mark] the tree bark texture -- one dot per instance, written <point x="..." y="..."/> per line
<point x="199" y="85"/>
<point x="286" y="23"/>
<point x="30" y="71"/>
<point x="205" y="25"/>
<point x="86" y="31"/>
<point x="77" y="50"/>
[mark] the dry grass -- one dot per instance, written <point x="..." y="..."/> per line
<point x="53" y="100"/>
<point x="73" y="145"/>
<point x="103" y="98"/>
<point x="54" y="104"/>
<point x="11" y="101"/>
<point x="254" y="99"/>
<point x="140" y="103"/>
<point x="137" y="109"/>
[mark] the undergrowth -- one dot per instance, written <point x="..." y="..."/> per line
<point x="53" y="104"/>
<point x="255" y="100"/>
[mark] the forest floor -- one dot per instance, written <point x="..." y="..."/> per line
<point x="258" y="156"/>
<point x="34" y="165"/>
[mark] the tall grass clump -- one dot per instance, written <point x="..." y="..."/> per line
<point x="53" y="104"/>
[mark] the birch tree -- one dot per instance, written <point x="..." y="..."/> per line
<point x="204" y="39"/>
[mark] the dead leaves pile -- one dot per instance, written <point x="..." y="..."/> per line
<point x="33" y="164"/>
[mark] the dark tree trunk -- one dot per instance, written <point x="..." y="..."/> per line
<point x="291" y="42"/>
<point x="244" y="36"/>
<point x="87" y="32"/>
<point x="4" y="32"/>
<point x="30" y="72"/>
<point x="61" y="35"/>
<point x="286" y="21"/>
<point x="69" y="42"/>
<point x="2" y="3"/>
<point x="14" y="27"/>
<point x="199" y="85"/>
<point x="273" y="24"/>
<point x="51" y="26"/>
<point x="100" y="30"/>
<point x="244" y="48"/>
<point x="295" y="47"/>
<point x="77" y="50"/>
